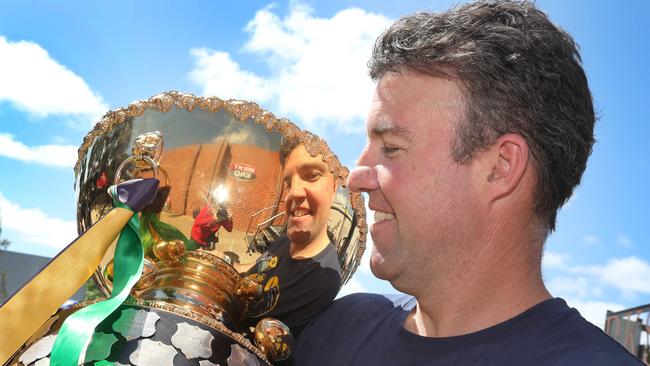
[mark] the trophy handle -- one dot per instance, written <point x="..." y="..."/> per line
<point x="132" y="158"/>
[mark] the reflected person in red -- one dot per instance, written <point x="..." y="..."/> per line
<point x="208" y="221"/>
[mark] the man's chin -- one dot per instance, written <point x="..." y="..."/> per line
<point x="380" y="268"/>
<point x="300" y="238"/>
<point x="392" y="275"/>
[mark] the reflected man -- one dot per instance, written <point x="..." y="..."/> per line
<point x="209" y="219"/>
<point x="480" y="128"/>
<point x="301" y="274"/>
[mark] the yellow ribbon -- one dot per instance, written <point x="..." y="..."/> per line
<point x="32" y="305"/>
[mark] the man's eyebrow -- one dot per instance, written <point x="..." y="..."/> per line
<point x="313" y="165"/>
<point x="385" y="127"/>
<point x="306" y="167"/>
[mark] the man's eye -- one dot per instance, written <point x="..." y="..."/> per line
<point x="314" y="175"/>
<point x="389" y="150"/>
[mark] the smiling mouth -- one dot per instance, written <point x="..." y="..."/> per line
<point x="383" y="216"/>
<point x="300" y="212"/>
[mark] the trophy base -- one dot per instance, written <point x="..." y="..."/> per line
<point x="149" y="333"/>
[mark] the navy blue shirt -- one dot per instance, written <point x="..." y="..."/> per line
<point x="296" y="290"/>
<point x="367" y="329"/>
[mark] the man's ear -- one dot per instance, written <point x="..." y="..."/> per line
<point x="508" y="158"/>
<point x="335" y="186"/>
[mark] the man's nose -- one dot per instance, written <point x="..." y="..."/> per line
<point x="297" y="189"/>
<point x="362" y="179"/>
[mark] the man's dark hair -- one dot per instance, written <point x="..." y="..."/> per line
<point x="519" y="73"/>
<point x="286" y="147"/>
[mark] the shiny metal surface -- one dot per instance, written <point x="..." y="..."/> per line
<point x="239" y="357"/>
<point x="151" y="352"/>
<point x="134" y="324"/>
<point x="220" y="202"/>
<point x="99" y="347"/>
<point x="193" y="341"/>
<point x="273" y="338"/>
<point x="221" y="183"/>
<point x="38" y="350"/>
<point x="204" y="283"/>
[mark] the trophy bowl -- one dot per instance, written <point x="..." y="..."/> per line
<point x="224" y="202"/>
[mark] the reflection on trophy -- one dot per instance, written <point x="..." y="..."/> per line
<point x="173" y="195"/>
<point x="211" y="217"/>
<point x="300" y="272"/>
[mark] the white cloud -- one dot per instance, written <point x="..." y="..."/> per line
<point x="34" y="226"/>
<point x="594" y="311"/>
<point x="630" y="275"/>
<point x="61" y="156"/>
<point x="583" y="287"/>
<point x="591" y="239"/>
<point x="33" y="81"/>
<point x="219" y="75"/>
<point x="552" y="260"/>
<point x="317" y="66"/>
<point x="569" y="286"/>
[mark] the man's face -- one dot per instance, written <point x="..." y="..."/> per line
<point x="309" y="188"/>
<point x="421" y="196"/>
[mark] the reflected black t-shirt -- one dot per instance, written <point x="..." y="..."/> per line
<point x="297" y="290"/>
<point x="367" y="329"/>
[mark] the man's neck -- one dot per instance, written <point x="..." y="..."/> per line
<point x="311" y="249"/>
<point x="487" y="293"/>
<point x="454" y="318"/>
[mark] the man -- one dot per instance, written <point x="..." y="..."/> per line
<point x="301" y="273"/>
<point x="206" y="225"/>
<point x="480" y="128"/>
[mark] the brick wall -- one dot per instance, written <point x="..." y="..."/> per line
<point x="198" y="169"/>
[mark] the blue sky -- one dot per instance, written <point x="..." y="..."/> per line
<point x="64" y="65"/>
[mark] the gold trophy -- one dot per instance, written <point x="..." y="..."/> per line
<point x="222" y="204"/>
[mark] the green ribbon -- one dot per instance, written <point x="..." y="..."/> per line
<point x="79" y="327"/>
<point x="150" y="222"/>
